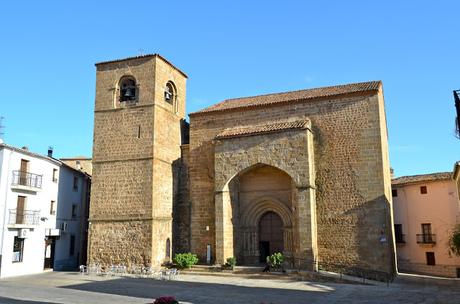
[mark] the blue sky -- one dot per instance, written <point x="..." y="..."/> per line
<point x="233" y="49"/>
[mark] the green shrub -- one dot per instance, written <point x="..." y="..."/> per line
<point x="454" y="241"/>
<point x="185" y="260"/>
<point x="275" y="260"/>
<point x="231" y="262"/>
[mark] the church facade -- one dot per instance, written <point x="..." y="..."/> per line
<point x="305" y="173"/>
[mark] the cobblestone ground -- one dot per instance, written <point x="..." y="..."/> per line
<point x="62" y="287"/>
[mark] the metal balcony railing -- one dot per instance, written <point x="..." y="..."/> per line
<point x="426" y="238"/>
<point x="27" y="179"/>
<point x="400" y="238"/>
<point x="24" y="217"/>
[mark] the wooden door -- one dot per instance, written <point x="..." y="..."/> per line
<point x="271" y="236"/>
<point x="23" y="172"/>
<point x="20" y="208"/>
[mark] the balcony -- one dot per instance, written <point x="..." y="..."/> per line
<point x="400" y="238"/>
<point x="429" y="239"/>
<point x="26" y="181"/>
<point x="21" y="218"/>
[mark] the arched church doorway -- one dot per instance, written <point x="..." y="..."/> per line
<point x="271" y="233"/>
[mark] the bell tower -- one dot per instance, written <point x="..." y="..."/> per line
<point x="138" y="117"/>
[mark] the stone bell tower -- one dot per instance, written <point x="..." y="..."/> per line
<point x="138" y="119"/>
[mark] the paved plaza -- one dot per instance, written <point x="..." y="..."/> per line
<point x="65" y="287"/>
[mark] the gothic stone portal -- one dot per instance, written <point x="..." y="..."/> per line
<point x="275" y="181"/>
<point x="261" y="213"/>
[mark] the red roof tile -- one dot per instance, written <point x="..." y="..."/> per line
<point x="261" y="129"/>
<point x="262" y="100"/>
<point x="413" y="179"/>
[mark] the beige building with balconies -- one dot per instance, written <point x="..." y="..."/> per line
<point x="426" y="209"/>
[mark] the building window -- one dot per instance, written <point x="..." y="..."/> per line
<point x="170" y="92"/>
<point x="128" y="89"/>
<point x="430" y="260"/>
<point x="423" y="190"/>
<point x="18" y="249"/>
<point x="72" y="245"/>
<point x="426" y="229"/>
<point x="75" y="183"/>
<point x="74" y="210"/>
<point x="399" y="236"/>
<point x="55" y="175"/>
<point x="53" y="208"/>
<point x="394" y="193"/>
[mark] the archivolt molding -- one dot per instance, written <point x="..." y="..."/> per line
<point x="257" y="208"/>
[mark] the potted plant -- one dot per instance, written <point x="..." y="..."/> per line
<point x="230" y="264"/>
<point x="276" y="261"/>
<point x="185" y="260"/>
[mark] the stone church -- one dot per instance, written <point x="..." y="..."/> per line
<point x="305" y="173"/>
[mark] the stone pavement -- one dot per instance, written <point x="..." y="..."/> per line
<point x="65" y="287"/>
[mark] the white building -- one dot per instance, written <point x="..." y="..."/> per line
<point x="30" y="189"/>
<point x="72" y="218"/>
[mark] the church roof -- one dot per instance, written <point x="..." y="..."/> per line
<point x="261" y="129"/>
<point x="421" y="178"/>
<point x="278" y="98"/>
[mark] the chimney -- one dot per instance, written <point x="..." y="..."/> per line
<point x="50" y="151"/>
<point x="25" y="148"/>
<point x="78" y="165"/>
<point x="392" y="173"/>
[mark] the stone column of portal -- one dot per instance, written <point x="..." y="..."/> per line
<point x="306" y="255"/>
<point x="224" y="227"/>
<point x="307" y="250"/>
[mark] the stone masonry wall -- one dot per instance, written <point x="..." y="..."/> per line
<point x="449" y="271"/>
<point x="181" y="211"/>
<point x="352" y="203"/>
<point x="135" y="147"/>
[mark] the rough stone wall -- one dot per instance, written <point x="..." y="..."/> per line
<point x="135" y="146"/>
<point x="120" y="242"/>
<point x="352" y="201"/>
<point x="181" y="211"/>
<point x="449" y="271"/>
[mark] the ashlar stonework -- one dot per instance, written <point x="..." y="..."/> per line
<point x="304" y="172"/>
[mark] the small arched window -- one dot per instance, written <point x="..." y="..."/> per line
<point x="170" y="92"/>
<point x="128" y="89"/>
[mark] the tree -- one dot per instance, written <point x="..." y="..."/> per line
<point x="454" y="241"/>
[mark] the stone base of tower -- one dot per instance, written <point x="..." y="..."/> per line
<point x="130" y="243"/>
<point x="126" y="243"/>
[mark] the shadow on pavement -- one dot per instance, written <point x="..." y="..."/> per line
<point x="4" y="300"/>
<point x="196" y="292"/>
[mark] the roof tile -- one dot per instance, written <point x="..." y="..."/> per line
<point x="413" y="179"/>
<point x="269" y="99"/>
<point x="262" y="129"/>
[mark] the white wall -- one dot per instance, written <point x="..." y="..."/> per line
<point x="66" y="198"/>
<point x="34" y="244"/>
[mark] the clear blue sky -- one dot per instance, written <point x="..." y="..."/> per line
<point x="233" y="49"/>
